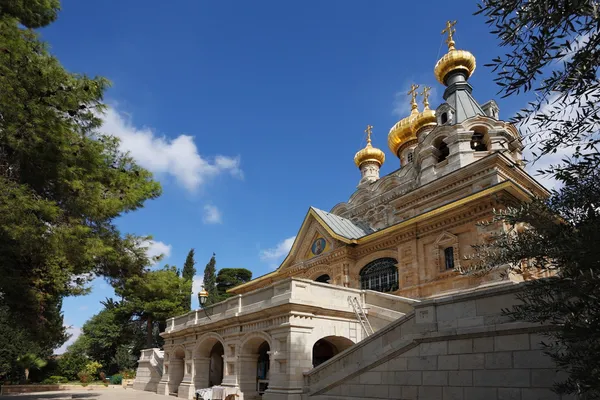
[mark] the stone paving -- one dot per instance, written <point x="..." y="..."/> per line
<point x="112" y="393"/>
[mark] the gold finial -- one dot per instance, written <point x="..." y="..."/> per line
<point x="413" y="93"/>
<point x="450" y="31"/>
<point x="425" y="94"/>
<point x="368" y="132"/>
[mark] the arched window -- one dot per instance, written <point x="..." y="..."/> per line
<point x="449" y="257"/>
<point x="443" y="151"/>
<point x="323" y="278"/>
<point x="380" y="275"/>
<point x="478" y="142"/>
<point x="444" y="118"/>
<point x="409" y="156"/>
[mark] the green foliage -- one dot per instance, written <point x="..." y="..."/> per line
<point x="228" y="278"/>
<point x="554" y="50"/>
<point x="556" y="238"/>
<point x="31" y="13"/>
<point x="210" y="281"/>
<point x="116" y="379"/>
<point x="91" y="369"/>
<point x="30" y="361"/>
<point x="153" y="297"/>
<point x="54" y="379"/>
<point x="105" y="332"/>
<point x="74" y="359"/>
<point x="123" y="359"/>
<point x="188" y="274"/>
<point x="61" y="183"/>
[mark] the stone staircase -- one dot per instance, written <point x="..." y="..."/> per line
<point x="456" y="347"/>
<point x="150" y="369"/>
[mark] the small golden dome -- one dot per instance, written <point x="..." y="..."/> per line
<point x="402" y="132"/>
<point x="453" y="60"/>
<point x="369" y="153"/>
<point x="425" y="118"/>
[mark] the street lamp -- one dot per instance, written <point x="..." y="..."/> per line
<point x="202" y="298"/>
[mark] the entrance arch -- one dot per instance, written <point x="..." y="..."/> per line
<point x="208" y="361"/>
<point x="328" y="347"/>
<point x="255" y="364"/>
<point x="176" y="369"/>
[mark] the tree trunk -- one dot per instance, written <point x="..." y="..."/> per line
<point x="149" y="332"/>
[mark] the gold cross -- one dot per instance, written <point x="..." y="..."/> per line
<point x="368" y="132"/>
<point x="413" y="93"/>
<point x="450" y="31"/>
<point x="425" y="94"/>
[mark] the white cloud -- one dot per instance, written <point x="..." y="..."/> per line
<point x="75" y="332"/>
<point x="533" y="138"/>
<point x="402" y="100"/>
<point x="274" y="255"/>
<point x="212" y="215"/>
<point x="156" y="248"/>
<point x="177" y="157"/>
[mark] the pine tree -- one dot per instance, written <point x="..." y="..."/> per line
<point x="210" y="281"/>
<point x="188" y="274"/>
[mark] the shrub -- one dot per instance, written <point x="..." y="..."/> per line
<point x="91" y="369"/>
<point x="116" y="379"/>
<point x="128" y="373"/>
<point x="84" y="377"/>
<point x="54" y="379"/>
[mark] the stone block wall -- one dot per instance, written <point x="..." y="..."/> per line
<point x="454" y="348"/>
<point x="147" y="377"/>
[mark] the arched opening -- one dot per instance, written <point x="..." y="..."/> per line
<point x="443" y="151"/>
<point x="328" y="347"/>
<point x="444" y="118"/>
<point x="262" y="368"/>
<point x="176" y="370"/>
<point x="255" y="365"/>
<point x="215" y="376"/>
<point x="478" y="141"/>
<point x="380" y="275"/>
<point x="208" y="362"/>
<point x="449" y="258"/>
<point x="323" y="279"/>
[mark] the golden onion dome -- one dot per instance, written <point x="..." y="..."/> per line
<point x="369" y="153"/>
<point x="402" y="132"/>
<point x="453" y="60"/>
<point x="424" y="119"/>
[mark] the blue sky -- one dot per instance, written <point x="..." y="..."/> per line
<point x="250" y="112"/>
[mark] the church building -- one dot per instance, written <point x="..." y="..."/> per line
<point x="399" y="240"/>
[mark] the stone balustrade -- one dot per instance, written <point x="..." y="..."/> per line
<point x="293" y="291"/>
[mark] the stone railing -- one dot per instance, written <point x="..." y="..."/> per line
<point x="291" y="291"/>
<point x="455" y="336"/>
<point x="155" y="357"/>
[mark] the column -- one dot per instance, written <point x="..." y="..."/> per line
<point x="163" y="385"/>
<point x="186" y="387"/>
<point x="247" y="365"/>
<point x="201" y="372"/>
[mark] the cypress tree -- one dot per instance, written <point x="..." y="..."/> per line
<point x="210" y="281"/>
<point x="188" y="275"/>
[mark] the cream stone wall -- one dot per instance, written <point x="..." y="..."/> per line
<point x="452" y="348"/>
<point x="290" y="316"/>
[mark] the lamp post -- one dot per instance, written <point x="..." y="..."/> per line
<point x="202" y="298"/>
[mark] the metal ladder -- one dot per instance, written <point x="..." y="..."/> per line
<point x="360" y="315"/>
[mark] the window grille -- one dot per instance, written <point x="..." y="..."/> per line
<point x="409" y="156"/>
<point x="380" y="275"/>
<point x="449" y="257"/>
